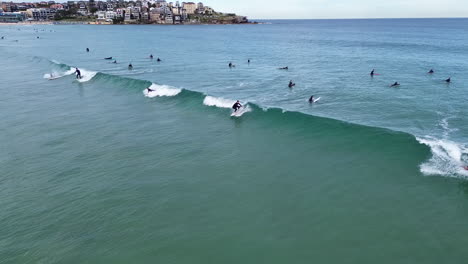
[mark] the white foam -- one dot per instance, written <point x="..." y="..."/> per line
<point x="56" y="74"/>
<point x="86" y="75"/>
<point x="242" y="111"/>
<point x="446" y="158"/>
<point x="161" y="90"/>
<point x="218" y="102"/>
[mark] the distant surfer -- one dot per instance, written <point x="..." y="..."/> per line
<point x="78" y="73"/>
<point x="237" y="105"/>
<point x="448" y="80"/>
<point x="130" y="66"/>
<point x="248" y="61"/>
<point x="115" y="61"/>
<point x="431" y="71"/>
<point x="149" y="90"/>
<point x="158" y="60"/>
<point x="231" y="65"/>
<point x="151" y="56"/>
<point x="87" y="49"/>
<point x="108" y="58"/>
<point x="395" y="84"/>
<point x="284" y="68"/>
<point x="37" y="37"/>
<point x="311" y="99"/>
<point x="372" y="73"/>
<point x="3" y="37"/>
<point x="291" y="84"/>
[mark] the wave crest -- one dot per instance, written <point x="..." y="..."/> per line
<point x="161" y="90"/>
<point x="448" y="158"/>
<point x="218" y="102"/>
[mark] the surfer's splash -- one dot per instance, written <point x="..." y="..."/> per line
<point x="157" y="90"/>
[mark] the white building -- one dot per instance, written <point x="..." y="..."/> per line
<point x="41" y="13"/>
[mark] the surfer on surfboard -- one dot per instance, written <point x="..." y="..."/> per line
<point x="236" y="106"/>
<point x="395" y="84"/>
<point x="78" y="73"/>
<point x="291" y="84"/>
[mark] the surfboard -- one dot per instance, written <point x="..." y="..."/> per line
<point x="239" y="112"/>
<point x="54" y="78"/>
<point x="316" y="100"/>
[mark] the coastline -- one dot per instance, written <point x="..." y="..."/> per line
<point x="109" y="24"/>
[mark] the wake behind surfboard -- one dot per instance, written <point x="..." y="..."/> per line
<point x="241" y="111"/>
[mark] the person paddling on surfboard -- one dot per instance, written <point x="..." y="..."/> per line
<point x="431" y="71"/>
<point x="151" y="56"/>
<point x="395" y="84"/>
<point x="78" y="73"/>
<point x="237" y="105"/>
<point x="448" y="80"/>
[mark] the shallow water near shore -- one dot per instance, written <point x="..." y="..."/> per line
<point x="99" y="171"/>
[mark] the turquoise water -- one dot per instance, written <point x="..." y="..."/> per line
<point x="97" y="171"/>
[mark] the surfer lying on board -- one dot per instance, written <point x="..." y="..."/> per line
<point x="149" y="90"/>
<point x="431" y="71"/>
<point x="78" y="73"/>
<point x="283" y="68"/>
<point x="395" y="84"/>
<point x="237" y="105"/>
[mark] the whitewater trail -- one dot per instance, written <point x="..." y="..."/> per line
<point x="56" y="74"/>
<point x="161" y="90"/>
<point x="218" y="102"/>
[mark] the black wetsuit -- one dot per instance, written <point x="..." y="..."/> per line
<point x="130" y="67"/>
<point x="431" y="71"/>
<point x="149" y="90"/>
<point x="448" y="80"/>
<point x="291" y="84"/>
<point x="78" y="74"/>
<point x="158" y="60"/>
<point x="311" y="99"/>
<point x="372" y="73"/>
<point x="236" y="106"/>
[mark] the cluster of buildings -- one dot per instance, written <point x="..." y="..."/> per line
<point x="114" y="11"/>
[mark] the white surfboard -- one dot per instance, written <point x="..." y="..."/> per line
<point x="316" y="100"/>
<point x="239" y="112"/>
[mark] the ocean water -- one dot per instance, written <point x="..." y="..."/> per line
<point x="97" y="170"/>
